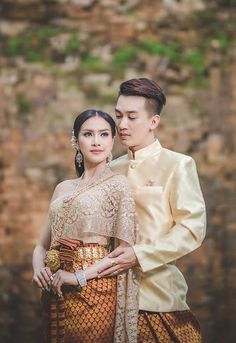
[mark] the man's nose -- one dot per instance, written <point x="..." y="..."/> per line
<point x="122" y="123"/>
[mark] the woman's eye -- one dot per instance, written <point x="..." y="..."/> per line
<point x="86" y="134"/>
<point x="132" y="118"/>
<point x="105" y="134"/>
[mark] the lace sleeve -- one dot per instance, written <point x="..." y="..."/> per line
<point x="127" y="282"/>
<point x="125" y="225"/>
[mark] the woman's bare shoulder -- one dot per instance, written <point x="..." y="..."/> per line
<point x="65" y="186"/>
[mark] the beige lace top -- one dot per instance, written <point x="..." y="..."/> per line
<point x="98" y="210"/>
<point x="94" y="211"/>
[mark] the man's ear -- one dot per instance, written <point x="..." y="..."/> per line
<point x="155" y="121"/>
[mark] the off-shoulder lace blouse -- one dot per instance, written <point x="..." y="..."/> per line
<point x="96" y="211"/>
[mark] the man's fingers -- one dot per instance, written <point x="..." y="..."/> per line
<point x="115" y="253"/>
<point x="108" y="271"/>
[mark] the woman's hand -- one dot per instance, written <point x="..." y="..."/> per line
<point x="42" y="277"/>
<point x="61" y="277"/>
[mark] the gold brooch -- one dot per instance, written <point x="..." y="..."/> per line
<point x="150" y="183"/>
<point x="52" y="260"/>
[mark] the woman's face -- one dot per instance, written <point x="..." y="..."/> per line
<point x="95" y="140"/>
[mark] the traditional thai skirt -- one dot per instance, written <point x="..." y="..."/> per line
<point x="168" y="327"/>
<point x="81" y="315"/>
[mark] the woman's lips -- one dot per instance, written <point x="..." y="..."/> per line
<point x="96" y="151"/>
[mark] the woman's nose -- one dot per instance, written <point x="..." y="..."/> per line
<point x="96" y="140"/>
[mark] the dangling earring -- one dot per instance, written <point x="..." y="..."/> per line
<point x="73" y="140"/>
<point x="109" y="158"/>
<point x="79" y="158"/>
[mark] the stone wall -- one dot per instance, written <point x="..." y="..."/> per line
<point x="60" y="57"/>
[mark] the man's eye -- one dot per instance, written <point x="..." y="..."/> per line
<point x="132" y="118"/>
<point x="118" y="116"/>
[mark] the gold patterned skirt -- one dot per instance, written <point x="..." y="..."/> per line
<point x="168" y="327"/>
<point x="81" y="315"/>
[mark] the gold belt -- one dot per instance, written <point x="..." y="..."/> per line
<point x="71" y="255"/>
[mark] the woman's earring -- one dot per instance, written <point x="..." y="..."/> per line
<point x="79" y="158"/>
<point x="73" y="140"/>
<point x="109" y="158"/>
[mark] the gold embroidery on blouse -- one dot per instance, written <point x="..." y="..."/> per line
<point x="104" y="208"/>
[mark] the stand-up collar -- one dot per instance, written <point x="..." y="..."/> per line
<point x="145" y="152"/>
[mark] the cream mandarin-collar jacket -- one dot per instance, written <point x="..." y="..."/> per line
<point x="171" y="221"/>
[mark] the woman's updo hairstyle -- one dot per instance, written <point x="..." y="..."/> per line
<point x="79" y="121"/>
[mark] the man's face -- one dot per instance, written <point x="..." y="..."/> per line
<point x="135" y="125"/>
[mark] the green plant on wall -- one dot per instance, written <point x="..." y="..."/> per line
<point x="73" y="44"/>
<point x="224" y="42"/>
<point x="157" y="48"/>
<point x="124" y="56"/>
<point x="13" y="46"/>
<point x="46" y="32"/>
<point x="91" y="63"/>
<point x="23" y="106"/>
<point x="195" y="59"/>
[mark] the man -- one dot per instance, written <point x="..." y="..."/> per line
<point x="170" y="211"/>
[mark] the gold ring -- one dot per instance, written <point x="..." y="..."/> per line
<point x="113" y="263"/>
<point x="116" y="272"/>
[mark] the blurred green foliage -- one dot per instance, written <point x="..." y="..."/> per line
<point x="73" y="44"/>
<point x="23" y="106"/>
<point x="37" y="46"/>
<point x="123" y="56"/>
<point x="158" y="48"/>
<point x="195" y="59"/>
<point x="92" y="63"/>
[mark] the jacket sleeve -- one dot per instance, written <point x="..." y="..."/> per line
<point x="189" y="220"/>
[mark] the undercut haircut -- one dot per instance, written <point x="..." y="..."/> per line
<point x="149" y="89"/>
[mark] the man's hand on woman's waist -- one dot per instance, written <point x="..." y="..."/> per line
<point x="122" y="258"/>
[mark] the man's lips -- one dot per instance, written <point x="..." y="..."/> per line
<point x="123" y="134"/>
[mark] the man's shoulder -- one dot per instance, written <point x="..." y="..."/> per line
<point x="175" y="156"/>
<point x="119" y="162"/>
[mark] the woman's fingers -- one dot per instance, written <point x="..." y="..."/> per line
<point x="44" y="277"/>
<point x="57" y="282"/>
<point x="37" y="281"/>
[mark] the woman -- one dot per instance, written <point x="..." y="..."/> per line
<point x="87" y="216"/>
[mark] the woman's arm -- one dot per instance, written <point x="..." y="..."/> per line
<point x="42" y="274"/>
<point x="62" y="277"/>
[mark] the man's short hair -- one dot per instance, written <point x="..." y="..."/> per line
<point x="149" y="89"/>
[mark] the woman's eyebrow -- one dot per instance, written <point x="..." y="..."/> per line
<point x="91" y="130"/>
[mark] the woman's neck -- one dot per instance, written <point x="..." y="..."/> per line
<point x="91" y="171"/>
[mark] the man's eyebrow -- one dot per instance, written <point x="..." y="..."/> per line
<point x="129" y="112"/>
